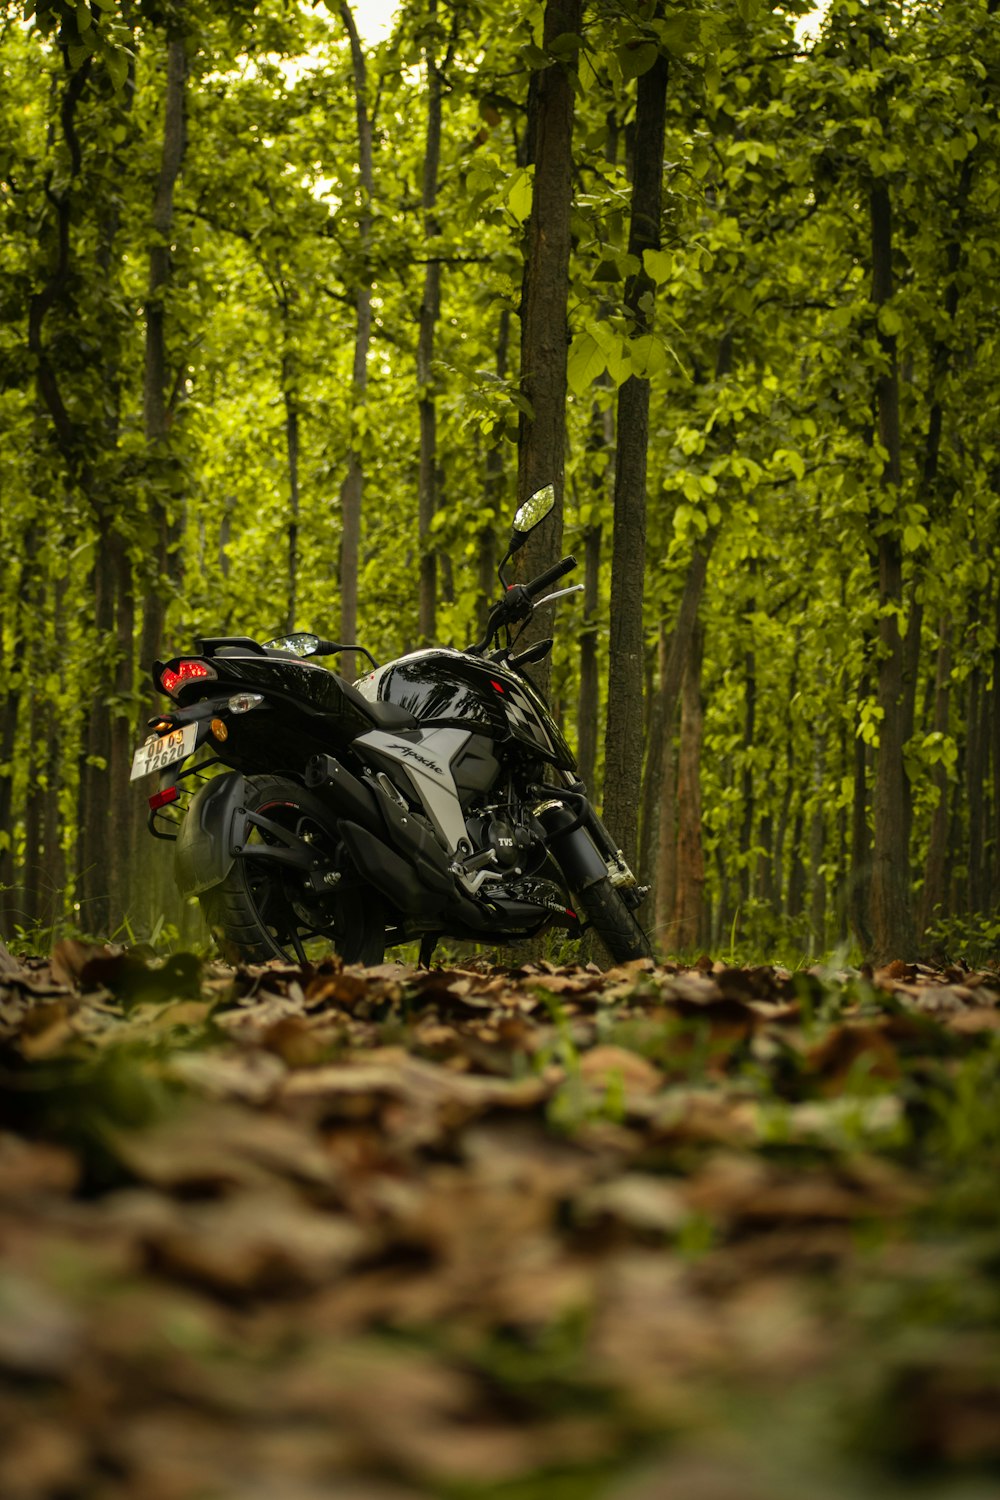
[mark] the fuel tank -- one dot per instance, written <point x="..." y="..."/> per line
<point x="446" y="687"/>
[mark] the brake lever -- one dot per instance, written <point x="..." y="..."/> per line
<point x="575" y="588"/>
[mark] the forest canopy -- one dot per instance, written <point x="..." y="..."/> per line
<point x="262" y="287"/>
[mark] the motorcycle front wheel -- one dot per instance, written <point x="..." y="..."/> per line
<point x="613" y="922"/>
<point x="264" y="909"/>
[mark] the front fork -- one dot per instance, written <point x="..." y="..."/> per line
<point x="582" y="845"/>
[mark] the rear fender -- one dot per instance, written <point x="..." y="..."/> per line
<point x="213" y="825"/>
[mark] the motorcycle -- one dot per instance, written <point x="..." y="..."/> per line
<point x="434" y="797"/>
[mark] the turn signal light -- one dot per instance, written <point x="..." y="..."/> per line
<point x="242" y="703"/>
<point x="187" y="671"/>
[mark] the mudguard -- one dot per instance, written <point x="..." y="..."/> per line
<point x="204" y="853"/>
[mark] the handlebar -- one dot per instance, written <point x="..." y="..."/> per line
<point x="558" y="570"/>
<point x="518" y="602"/>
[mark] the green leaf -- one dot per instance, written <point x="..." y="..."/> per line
<point x="636" y="58"/>
<point x="518" y="192"/>
<point x="889" y="321"/>
<point x="648" y="356"/>
<point x="658" y="265"/>
<point x="585" y="362"/>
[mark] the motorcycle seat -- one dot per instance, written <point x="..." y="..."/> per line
<point x="382" y="715"/>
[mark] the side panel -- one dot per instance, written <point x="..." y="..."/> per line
<point x="426" y="760"/>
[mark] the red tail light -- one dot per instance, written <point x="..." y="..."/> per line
<point x="187" y="671"/>
<point x="160" y="799"/>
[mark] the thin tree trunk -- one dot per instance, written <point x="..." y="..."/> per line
<point x="795" y="900"/>
<point x="155" y="408"/>
<point x="623" y="743"/>
<point x="430" y="305"/>
<point x="893" y="934"/>
<point x="351" y="491"/>
<point x="663" y="712"/>
<point x="665" y="893"/>
<point x="817" y="846"/>
<point x="935" y="891"/>
<point x="975" y="787"/>
<point x="122" y="830"/>
<point x="690" y="854"/>
<point x="749" y="805"/>
<point x="764" y="882"/>
<point x="493" y="490"/>
<point x="859" y="899"/>
<point x="95" y="857"/>
<point x="541" y="449"/>
<point x="995" y="739"/>
<point x="588" y="707"/>
<point x="289" y="392"/>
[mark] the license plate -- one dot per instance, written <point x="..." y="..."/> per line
<point x="162" y="750"/>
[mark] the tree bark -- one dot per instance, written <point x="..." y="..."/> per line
<point x="541" y="449"/>
<point x="859" y="896"/>
<point x="690" y="854"/>
<point x="623" y="743"/>
<point x="493" y="478"/>
<point x="352" y="489"/>
<point x="588" y="707"/>
<point x="935" y="889"/>
<point x="975" y="781"/>
<point x="663" y="713"/>
<point x="430" y="304"/>
<point x="290" y="396"/>
<point x="995" y="743"/>
<point x="664" y="895"/>
<point x="893" y="933"/>
<point x="156" y="414"/>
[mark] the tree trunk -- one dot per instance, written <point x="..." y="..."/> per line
<point x="664" y="897"/>
<point x="623" y="742"/>
<point x="351" y="491"/>
<point x="663" y="714"/>
<point x="155" y="409"/>
<point x="430" y="305"/>
<point x="589" y="702"/>
<point x="817" y="846"/>
<point x="893" y="934"/>
<point x="290" y="396"/>
<point x="94" y="849"/>
<point x="541" y="449"/>
<point x="493" y="496"/>
<point x="975" y="780"/>
<point x="995" y="739"/>
<point x="690" y="855"/>
<point x="122" y="823"/>
<point x="859" y="898"/>
<point x="935" y="890"/>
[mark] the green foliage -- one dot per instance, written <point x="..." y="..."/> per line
<point x="762" y="364"/>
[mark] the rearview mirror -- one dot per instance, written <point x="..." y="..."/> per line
<point x="529" y="513"/>
<point x="300" y="643"/>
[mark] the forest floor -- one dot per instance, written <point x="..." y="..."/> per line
<point x="655" y="1234"/>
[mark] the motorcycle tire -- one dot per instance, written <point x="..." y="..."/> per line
<point x="608" y="916"/>
<point x="263" y="910"/>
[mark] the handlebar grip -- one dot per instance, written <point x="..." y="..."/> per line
<point x="558" y="570"/>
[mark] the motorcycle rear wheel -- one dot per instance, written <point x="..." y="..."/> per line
<point x="264" y="910"/>
<point x="613" y="921"/>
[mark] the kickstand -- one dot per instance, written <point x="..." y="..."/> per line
<point x="427" y="945"/>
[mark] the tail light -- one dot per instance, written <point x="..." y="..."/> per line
<point x="185" y="671"/>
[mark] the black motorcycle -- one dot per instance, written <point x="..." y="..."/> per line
<point x="435" y="797"/>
